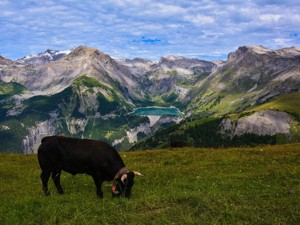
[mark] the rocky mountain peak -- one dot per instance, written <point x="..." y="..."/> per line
<point x="139" y="60"/>
<point x="254" y="49"/>
<point x="137" y="66"/>
<point x="292" y="51"/>
<point x="177" y="62"/>
<point x="171" y="58"/>
<point x="248" y="51"/>
<point x="50" y="51"/>
<point x="84" y="51"/>
<point x="257" y="51"/>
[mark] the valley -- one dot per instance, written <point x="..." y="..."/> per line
<point x="252" y="98"/>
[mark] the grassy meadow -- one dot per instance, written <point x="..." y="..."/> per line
<point x="258" y="185"/>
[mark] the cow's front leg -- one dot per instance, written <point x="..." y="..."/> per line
<point x="45" y="177"/>
<point x="98" y="182"/>
<point x="56" y="180"/>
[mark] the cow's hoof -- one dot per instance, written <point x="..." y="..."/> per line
<point x="60" y="191"/>
<point x="100" y="196"/>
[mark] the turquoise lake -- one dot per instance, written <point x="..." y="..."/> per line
<point x="157" y="111"/>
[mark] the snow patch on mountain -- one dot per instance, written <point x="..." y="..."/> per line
<point x="48" y="55"/>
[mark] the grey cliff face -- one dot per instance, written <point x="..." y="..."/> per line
<point x="267" y="122"/>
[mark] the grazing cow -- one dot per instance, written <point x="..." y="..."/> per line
<point x="95" y="158"/>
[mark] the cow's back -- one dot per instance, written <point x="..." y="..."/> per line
<point x="79" y="156"/>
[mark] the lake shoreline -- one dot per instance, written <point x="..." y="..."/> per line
<point x="157" y="111"/>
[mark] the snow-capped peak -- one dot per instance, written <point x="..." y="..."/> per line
<point x="48" y="55"/>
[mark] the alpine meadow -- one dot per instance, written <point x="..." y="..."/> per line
<point x="257" y="185"/>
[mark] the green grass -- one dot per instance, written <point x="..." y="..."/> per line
<point x="287" y="102"/>
<point x="181" y="186"/>
<point x="10" y="88"/>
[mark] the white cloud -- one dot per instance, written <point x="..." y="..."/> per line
<point x="195" y="27"/>
<point x="166" y="9"/>
<point x="127" y="3"/>
<point x="157" y="10"/>
<point x="175" y="26"/>
<point x="281" y="41"/>
<point x="200" y="19"/>
<point x="270" y="18"/>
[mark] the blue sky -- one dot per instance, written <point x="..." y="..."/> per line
<point x="147" y="28"/>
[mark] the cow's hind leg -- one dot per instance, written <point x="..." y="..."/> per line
<point x="45" y="177"/>
<point x="98" y="183"/>
<point x="56" y="180"/>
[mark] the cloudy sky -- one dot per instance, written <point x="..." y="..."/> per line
<point x="147" y="28"/>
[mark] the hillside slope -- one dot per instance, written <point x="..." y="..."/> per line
<point x="251" y="75"/>
<point x="87" y="108"/>
<point x="274" y="122"/>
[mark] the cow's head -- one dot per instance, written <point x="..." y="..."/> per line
<point x="122" y="185"/>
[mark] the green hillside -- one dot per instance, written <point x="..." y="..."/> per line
<point x="180" y="186"/>
<point x="10" y="89"/>
<point x="86" y="100"/>
<point x="287" y="103"/>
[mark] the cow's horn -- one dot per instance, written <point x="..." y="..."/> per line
<point x="137" y="173"/>
<point x="124" y="176"/>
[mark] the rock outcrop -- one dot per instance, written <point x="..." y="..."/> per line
<point x="267" y="122"/>
<point x="35" y="134"/>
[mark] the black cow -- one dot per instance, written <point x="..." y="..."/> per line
<point x="95" y="158"/>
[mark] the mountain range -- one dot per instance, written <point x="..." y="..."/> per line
<point x="249" y="99"/>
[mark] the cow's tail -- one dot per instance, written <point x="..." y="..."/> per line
<point x="44" y="142"/>
<point x="44" y="139"/>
